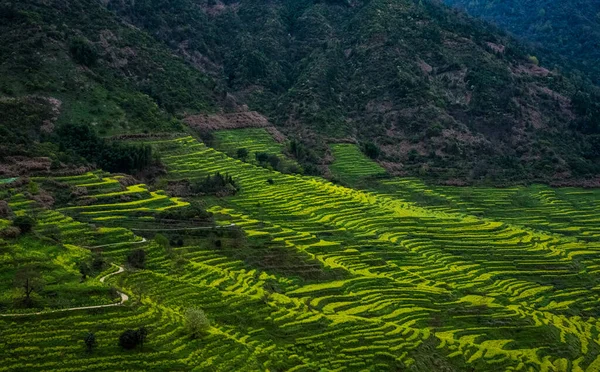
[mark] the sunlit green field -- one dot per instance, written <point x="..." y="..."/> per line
<point x="400" y="276"/>
<point x="350" y="164"/>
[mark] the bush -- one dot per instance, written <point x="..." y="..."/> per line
<point x="83" y="52"/>
<point x="137" y="259"/>
<point x="242" y="153"/>
<point x="24" y="223"/>
<point x="162" y="241"/>
<point x="216" y="184"/>
<point x="11" y="232"/>
<point x="90" y="342"/>
<point x="129" y="339"/>
<point x="371" y="150"/>
<point x="5" y="210"/>
<point x="196" y="322"/>
<point x="267" y="159"/>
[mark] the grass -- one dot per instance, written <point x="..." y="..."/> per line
<point x="402" y="276"/>
<point x="351" y="164"/>
<point x="254" y="140"/>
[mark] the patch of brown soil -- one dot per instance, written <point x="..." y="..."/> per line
<point x="498" y="48"/>
<point x="20" y="165"/>
<point x="531" y="69"/>
<point x="219" y="7"/>
<point x="276" y="134"/>
<point x="138" y="136"/>
<point x="251" y="119"/>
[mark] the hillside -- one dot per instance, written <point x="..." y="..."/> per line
<point x="442" y="95"/>
<point x="431" y="92"/>
<point x="72" y="63"/>
<point x="291" y="185"/>
<point x="569" y="31"/>
<point x="296" y="273"/>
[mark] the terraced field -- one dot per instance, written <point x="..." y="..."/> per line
<point x="351" y="164"/>
<point x="403" y="276"/>
<point x="254" y="140"/>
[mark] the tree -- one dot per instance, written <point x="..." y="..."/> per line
<point x="371" y="150"/>
<point x="163" y="242"/>
<point x="24" y="223"/>
<point x="84" y="270"/>
<point x="137" y="259"/>
<point x="28" y="280"/>
<point x="83" y="52"/>
<point x="196" y="322"/>
<point x="129" y="339"/>
<point x="242" y="154"/>
<point x="90" y="342"/>
<point x="98" y="262"/>
<point x="142" y="333"/>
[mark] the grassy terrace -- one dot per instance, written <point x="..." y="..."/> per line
<point x="255" y="140"/>
<point x="351" y="164"/>
<point x="331" y="278"/>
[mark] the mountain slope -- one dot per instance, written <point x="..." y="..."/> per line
<point x="75" y="63"/>
<point x="442" y="95"/>
<point x="570" y="29"/>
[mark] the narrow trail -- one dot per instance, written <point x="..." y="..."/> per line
<point x="189" y="228"/>
<point x="124" y="298"/>
<point x="117" y="244"/>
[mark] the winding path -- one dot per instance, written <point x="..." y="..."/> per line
<point x="117" y="244"/>
<point x="124" y="298"/>
<point x="188" y="228"/>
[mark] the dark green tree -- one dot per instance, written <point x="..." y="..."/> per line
<point x="242" y="154"/>
<point x="90" y="342"/>
<point x="137" y="259"/>
<point x="24" y="223"/>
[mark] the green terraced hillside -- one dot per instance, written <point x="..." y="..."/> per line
<point x="299" y="274"/>
<point x="254" y="141"/>
<point x="350" y="164"/>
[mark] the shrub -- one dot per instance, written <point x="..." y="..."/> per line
<point x="24" y="223"/>
<point x="5" y="210"/>
<point x="196" y="322"/>
<point x="242" y="153"/>
<point x="129" y="339"/>
<point x="90" y="342"/>
<point x="84" y="270"/>
<point x="141" y="334"/>
<point x="83" y="52"/>
<point x="216" y="184"/>
<point x="98" y="262"/>
<point x="11" y="232"/>
<point x="371" y="150"/>
<point x="137" y="259"/>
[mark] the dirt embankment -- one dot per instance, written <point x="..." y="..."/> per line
<point x="251" y="119"/>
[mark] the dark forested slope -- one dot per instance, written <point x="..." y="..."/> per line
<point x="442" y="95"/>
<point x="568" y="30"/>
<point x="73" y="63"/>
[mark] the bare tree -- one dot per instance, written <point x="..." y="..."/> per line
<point x="28" y="280"/>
